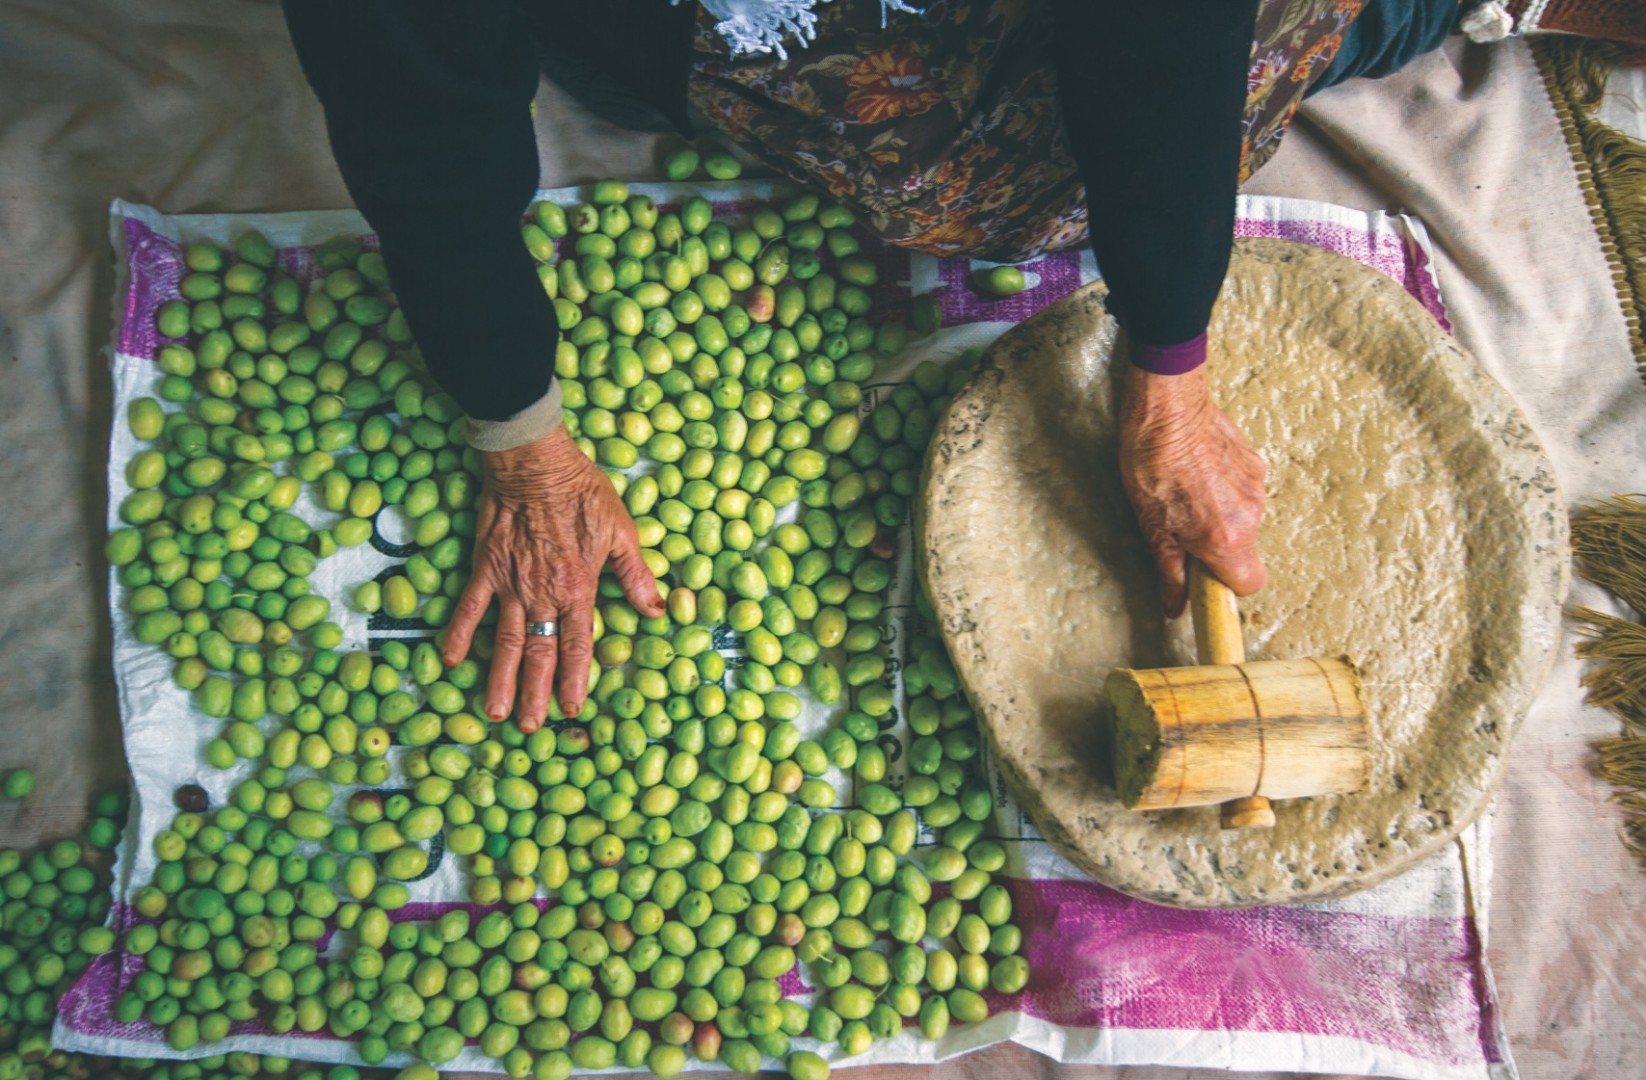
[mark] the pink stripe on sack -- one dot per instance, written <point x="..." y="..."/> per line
<point x="1101" y="959"/>
<point x="1397" y="256"/>
<point x="87" y="1007"/>
<point x="156" y="266"/>
<point x="88" y="1004"/>
<point x="155" y="263"/>
<point x="1056" y="275"/>
<point x="301" y="261"/>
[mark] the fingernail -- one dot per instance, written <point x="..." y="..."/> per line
<point x="495" y="713"/>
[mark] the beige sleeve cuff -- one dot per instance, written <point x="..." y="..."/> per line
<point x="528" y="425"/>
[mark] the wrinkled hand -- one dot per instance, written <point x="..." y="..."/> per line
<point x="1194" y="481"/>
<point x="548" y="520"/>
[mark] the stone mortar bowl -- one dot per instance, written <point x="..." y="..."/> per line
<point x="1413" y="523"/>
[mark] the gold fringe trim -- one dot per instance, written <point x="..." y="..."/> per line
<point x="1609" y="549"/>
<point x="1623" y="765"/>
<point x="1609" y="538"/>
<point x="1618" y="683"/>
<point x="1611" y="166"/>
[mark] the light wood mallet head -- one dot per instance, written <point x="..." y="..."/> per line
<point x="1235" y="733"/>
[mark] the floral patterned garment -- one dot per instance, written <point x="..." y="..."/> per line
<point x="943" y="128"/>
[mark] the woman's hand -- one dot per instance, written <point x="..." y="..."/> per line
<point x="1195" y="483"/>
<point x="548" y="520"/>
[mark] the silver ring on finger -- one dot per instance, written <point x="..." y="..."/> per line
<point x="547" y="628"/>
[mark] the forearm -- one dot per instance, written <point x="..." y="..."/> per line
<point x="1152" y="97"/>
<point x="532" y="471"/>
<point x="1163" y="403"/>
<point x="427" y="107"/>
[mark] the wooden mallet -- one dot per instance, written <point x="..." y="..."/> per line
<point x="1235" y="733"/>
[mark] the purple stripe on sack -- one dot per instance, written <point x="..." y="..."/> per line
<point x="429" y="910"/>
<point x="1103" y="960"/>
<point x="1421" y="282"/>
<point x="1059" y="275"/>
<point x="88" y="1004"/>
<point x="1395" y="256"/>
<point x="1399" y="257"/>
<point x="301" y="261"/>
<point x="87" y="1007"/>
<point x="155" y="263"/>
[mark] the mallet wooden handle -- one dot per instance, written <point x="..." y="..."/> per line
<point x="1218" y="640"/>
<point x="1217" y="637"/>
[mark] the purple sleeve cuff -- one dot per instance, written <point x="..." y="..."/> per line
<point x="1176" y="359"/>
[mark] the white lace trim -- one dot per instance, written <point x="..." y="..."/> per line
<point x="1532" y="16"/>
<point x="1487" y="22"/>
<point x="762" y="26"/>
